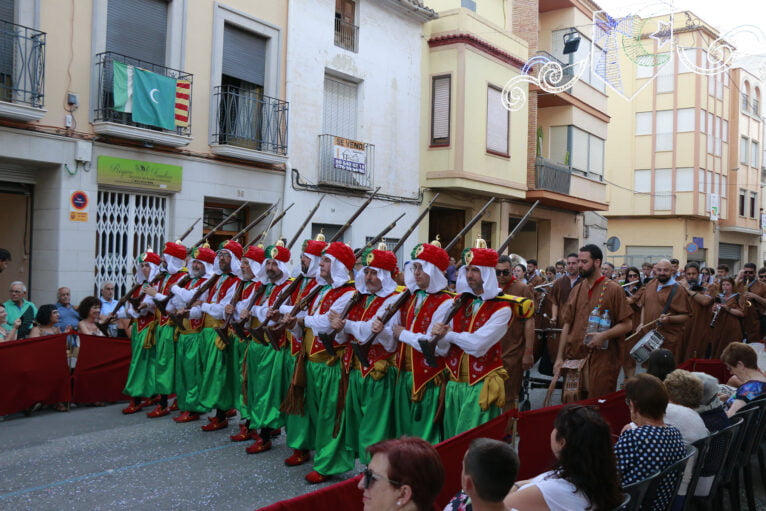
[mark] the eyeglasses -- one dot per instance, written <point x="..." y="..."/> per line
<point x="762" y="276"/>
<point x="368" y="476"/>
<point x="502" y="272"/>
<point x="632" y="275"/>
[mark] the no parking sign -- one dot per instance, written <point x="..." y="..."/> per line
<point x="78" y="206"/>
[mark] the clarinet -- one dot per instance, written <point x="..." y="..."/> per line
<point x="717" y="312"/>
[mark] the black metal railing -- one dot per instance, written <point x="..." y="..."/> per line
<point x="346" y="35"/>
<point x="545" y="57"/>
<point x="105" y="111"/>
<point x="246" y="118"/>
<point x="22" y="64"/>
<point x="345" y="168"/>
<point x="552" y="176"/>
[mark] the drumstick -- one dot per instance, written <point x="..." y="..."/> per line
<point x="638" y="332"/>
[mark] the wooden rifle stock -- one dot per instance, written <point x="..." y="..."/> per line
<point x="279" y="329"/>
<point x="135" y="302"/>
<point x="362" y="350"/>
<point x="162" y="304"/>
<point x="176" y="318"/>
<point x="328" y="338"/>
<point x="239" y="327"/>
<point x="261" y="330"/>
<point x="223" y="330"/>
<point x="428" y="346"/>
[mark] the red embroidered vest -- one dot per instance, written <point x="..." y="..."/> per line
<point x="195" y="324"/>
<point x="168" y="281"/>
<point x="417" y="321"/>
<point x="361" y="313"/>
<point x="301" y="291"/>
<point x="321" y="305"/>
<point x="492" y="360"/>
<point x="272" y="297"/>
<point x="146" y="320"/>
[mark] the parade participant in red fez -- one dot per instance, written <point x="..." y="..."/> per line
<point x="218" y="358"/>
<point x="419" y="385"/>
<point x="188" y="375"/>
<point x="251" y="264"/>
<point x="174" y="256"/>
<point x="471" y="346"/>
<point x="297" y="431"/>
<point x="323" y="372"/>
<point x="673" y="322"/>
<point x="267" y="381"/>
<point x="594" y="291"/>
<point x="141" y="380"/>
<point x="518" y="342"/>
<point x="754" y="291"/>
<point x="369" y="398"/>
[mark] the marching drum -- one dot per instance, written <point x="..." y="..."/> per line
<point x="648" y="343"/>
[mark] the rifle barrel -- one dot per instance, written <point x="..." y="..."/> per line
<point x="305" y="223"/>
<point x="414" y="224"/>
<point x="468" y="226"/>
<point x="516" y="229"/>
<point x="189" y="230"/>
<point x="212" y="231"/>
<point x="378" y="237"/>
<point x="358" y="212"/>
<point x="255" y="222"/>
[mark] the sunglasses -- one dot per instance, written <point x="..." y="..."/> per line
<point x="368" y="477"/>
<point x="762" y="276"/>
<point x="502" y="272"/>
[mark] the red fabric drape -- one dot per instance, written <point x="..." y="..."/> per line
<point x="713" y="367"/>
<point x="342" y="495"/>
<point x="102" y="369"/>
<point x="33" y="371"/>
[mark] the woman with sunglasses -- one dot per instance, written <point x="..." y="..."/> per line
<point x="404" y="474"/>
<point x="584" y="475"/>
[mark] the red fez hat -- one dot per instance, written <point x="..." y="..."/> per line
<point x="234" y="247"/>
<point x="433" y="254"/>
<point x="278" y="252"/>
<point x="314" y="247"/>
<point x="205" y="254"/>
<point x="150" y="257"/>
<point x="381" y="259"/>
<point x="175" y="250"/>
<point x="342" y="253"/>
<point x="480" y="257"/>
<point x="255" y="254"/>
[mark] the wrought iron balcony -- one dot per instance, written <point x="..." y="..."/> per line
<point x="543" y="57"/>
<point x="551" y="176"/>
<point x="248" y="119"/>
<point x="346" y="35"/>
<point x="345" y="163"/>
<point x="22" y="65"/>
<point x="105" y="111"/>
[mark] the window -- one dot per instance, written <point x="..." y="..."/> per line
<point x="753" y="202"/>
<point x="757" y="102"/>
<point x="718" y="132"/>
<point x="701" y="184"/>
<point x="642" y="181"/>
<point x="138" y="29"/>
<point x="685" y="120"/>
<point x="346" y="31"/>
<point x="745" y="103"/>
<point x="589" y="75"/>
<point x="663" y="184"/>
<point x="743" y="154"/>
<point x="691" y="55"/>
<point x="666" y="78"/>
<point x="440" y="110"/>
<point x="754" y="153"/>
<point x="587" y="152"/>
<point x="664" y="130"/>
<point x="703" y="118"/>
<point x="710" y="133"/>
<point x="724" y="186"/>
<point x="644" y="123"/>
<point x="685" y="179"/>
<point x="498" y="122"/>
<point x="725" y="131"/>
<point x="559" y="151"/>
<point x="340" y="102"/>
<point x="742" y="203"/>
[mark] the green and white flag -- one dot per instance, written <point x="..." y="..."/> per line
<point x="149" y="97"/>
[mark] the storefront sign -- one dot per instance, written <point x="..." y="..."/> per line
<point x="145" y="175"/>
<point x="78" y="206"/>
<point x="349" y="155"/>
<point x="715" y="204"/>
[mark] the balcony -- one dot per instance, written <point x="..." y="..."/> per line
<point x="249" y="125"/>
<point x="558" y="186"/>
<point x="542" y="58"/>
<point x="345" y="163"/>
<point x="113" y="123"/>
<point x="346" y="35"/>
<point x="22" y="72"/>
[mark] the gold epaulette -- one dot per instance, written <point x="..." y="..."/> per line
<point x="400" y="289"/>
<point x="523" y="308"/>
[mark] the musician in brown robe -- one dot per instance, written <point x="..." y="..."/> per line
<point x="594" y="290"/>
<point x="634" y="291"/>
<point x="728" y="311"/>
<point x="754" y="291"/>
<point x="671" y="324"/>
<point x="698" y="330"/>
<point x="518" y="341"/>
<point x="558" y="298"/>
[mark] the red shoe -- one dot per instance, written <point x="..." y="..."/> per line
<point x="174" y="406"/>
<point x="258" y="446"/>
<point x="158" y="411"/>
<point x="149" y="402"/>
<point x="131" y="409"/>
<point x="244" y="434"/>
<point x="276" y="432"/>
<point x="215" y="425"/>
<point x="187" y="417"/>
<point x="231" y="413"/>
<point x="315" y="477"/>
<point x="299" y="457"/>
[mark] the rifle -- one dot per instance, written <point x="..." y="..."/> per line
<point x="271" y="223"/>
<point x="176" y="318"/>
<point x="276" y="332"/>
<point x="427" y="346"/>
<point x="254" y="222"/>
<point x="220" y="224"/>
<point x="415" y="224"/>
<point x="305" y="223"/>
<point x="104" y="326"/>
<point x="189" y="230"/>
<point x="516" y="229"/>
<point x="223" y="330"/>
<point x="327" y="338"/>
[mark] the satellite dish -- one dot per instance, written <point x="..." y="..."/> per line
<point x="613" y="244"/>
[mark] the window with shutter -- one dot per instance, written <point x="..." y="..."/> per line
<point x="340" y="99"/>
<point x="498" y="123"/>
<point x="138" y="29"/>
<point x="440" y="110"/>
<point x="244" y="55"/>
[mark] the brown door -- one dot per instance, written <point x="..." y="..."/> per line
<point x="447" y="222"/>
<point x="16" y="237"/>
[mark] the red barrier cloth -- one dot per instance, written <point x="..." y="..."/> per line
<point x="712" y="367"/>
<point x="101" y="370"/>
<point x="33" y="371"/>
<point x="342" y="495"/>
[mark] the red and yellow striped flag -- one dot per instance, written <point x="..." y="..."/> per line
<point x="183" y="97"/>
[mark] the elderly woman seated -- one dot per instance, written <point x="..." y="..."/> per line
<point x="652" y="445"/>
<point x="742" y="362"/>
